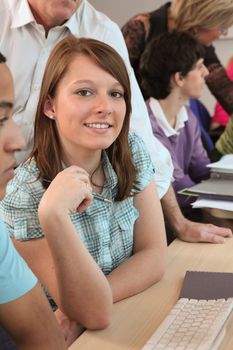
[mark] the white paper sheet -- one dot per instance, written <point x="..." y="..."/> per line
<point x="212" y="203"/>
<point x="226" y="162"/>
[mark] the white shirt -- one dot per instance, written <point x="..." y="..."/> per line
<point x="181" y="118"/>
<point x="26" y="48"/>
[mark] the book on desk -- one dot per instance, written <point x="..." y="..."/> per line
<point x="207" y="285"/>
<point x="215" y="193"/>
<point x="214" y="188"/>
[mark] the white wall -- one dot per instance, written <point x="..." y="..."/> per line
<point x="120" y="11"/>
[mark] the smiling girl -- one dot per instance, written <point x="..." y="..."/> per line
<point x="87" y="178"/>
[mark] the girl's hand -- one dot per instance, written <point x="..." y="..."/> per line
<point x="70" y="191"/>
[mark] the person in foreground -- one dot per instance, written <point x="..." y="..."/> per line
<point x="170" y="84"/>
<point x="33" y="28"/>
<point x="87" y="178"/>
<point x="24" y="311"/>
<point x="40" y="24"/>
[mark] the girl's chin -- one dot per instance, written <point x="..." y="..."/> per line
<point x="101" y="146"/>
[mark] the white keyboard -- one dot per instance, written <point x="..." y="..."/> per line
<point x="192" y="324"/>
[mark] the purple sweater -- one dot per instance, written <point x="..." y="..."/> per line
<point x="187" y="152"/>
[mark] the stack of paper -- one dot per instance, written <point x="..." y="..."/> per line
<point x="213" y="188"/>
<point x="213" y="203"/>
<point x="217" y="191"/>
<point x="224" y="165"/>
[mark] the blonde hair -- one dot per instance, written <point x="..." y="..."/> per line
<point x="206" y="14"/>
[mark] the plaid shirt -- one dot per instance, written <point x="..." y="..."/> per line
<point x="107" y="229"/>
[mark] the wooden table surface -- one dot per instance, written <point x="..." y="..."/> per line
<point x="135" y="319"/>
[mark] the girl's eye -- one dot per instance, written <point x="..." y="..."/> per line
<point x="84" y="92"/>
<point x="117" y="94"/>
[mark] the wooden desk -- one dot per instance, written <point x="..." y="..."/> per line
<point x="218" y="217"/>
<point x="136" y="318"/>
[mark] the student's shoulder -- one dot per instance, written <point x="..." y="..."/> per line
<point x="144" y="166"/>
<point x="135" y="141"/>
<point x="16" y="279"/>
<point x="25" y="187"/>
<point x="7" y="8"/>
<point x="3" y="236"/>
<point x="139" y="151"/>
<point x="26" y="173"/>
<point x="98" y="18"/>
<point x="192" y="119"/>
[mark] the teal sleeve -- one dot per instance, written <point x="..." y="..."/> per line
<point x="16" y="278"/>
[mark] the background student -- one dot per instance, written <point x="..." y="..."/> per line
<point x="101" y="194"/>
<point x="207" y="20"/>
<point x="171" y="83"/>
<point x="32" y="28"/>
<point x="24" y="310"/>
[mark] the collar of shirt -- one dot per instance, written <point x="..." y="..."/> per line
<point x="110" y="184"/>
<point x="161" y="119"/>
<point x="23" y="16"/>
<point x="31" y="172"/>
<point x="110" y="175"/>
<point x="109" y="190"/>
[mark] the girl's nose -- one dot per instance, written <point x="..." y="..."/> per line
<point x="103" y="105"/>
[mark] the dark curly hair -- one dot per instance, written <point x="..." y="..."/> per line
<point x="164" y="56"/>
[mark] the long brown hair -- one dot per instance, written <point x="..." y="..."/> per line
<point x="47" y="147"/>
